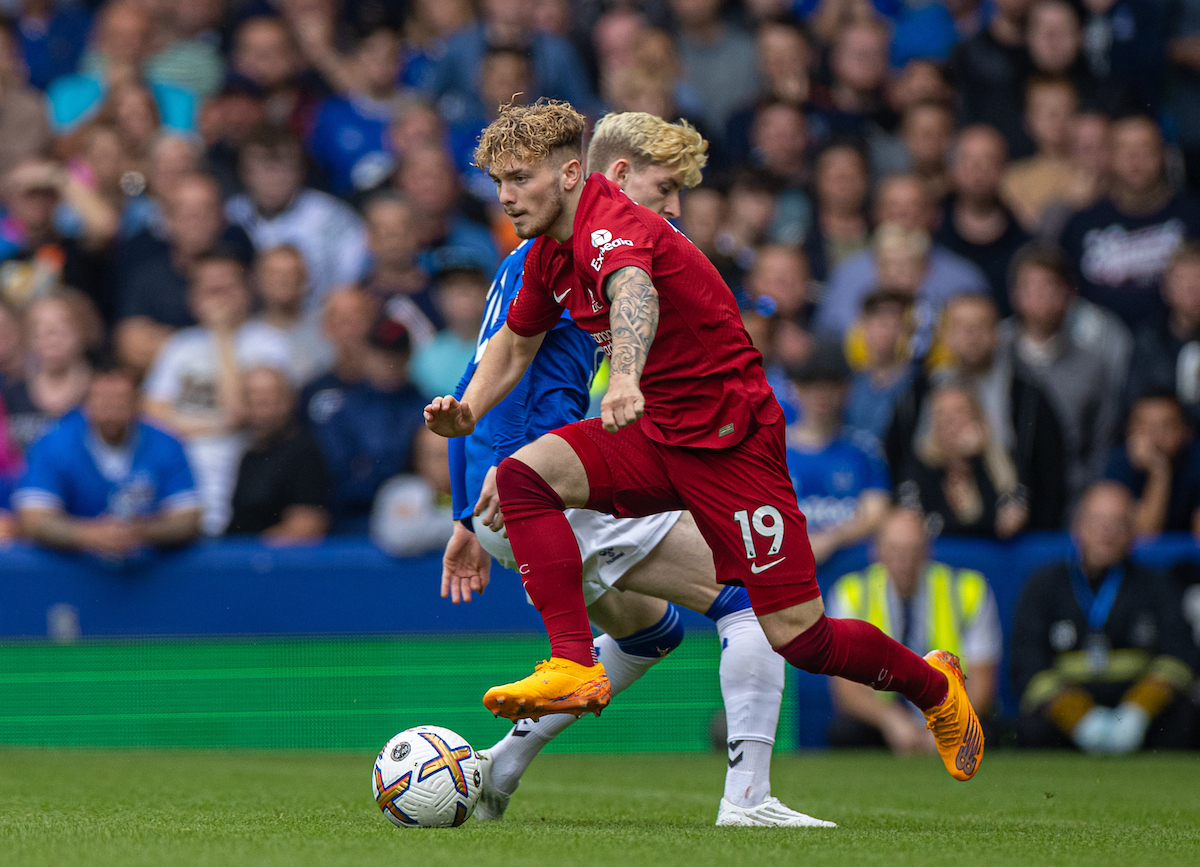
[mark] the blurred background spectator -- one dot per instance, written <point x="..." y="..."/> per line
<point x="282" y="486"/>
<point x="1101" y="657"/>
<point x="412" y="513"/>
<point x="924" y="605"/>
<point x="105" y="482"/>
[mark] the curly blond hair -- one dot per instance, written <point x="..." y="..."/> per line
<point x="644" y="140"/>
<point x="528" y="134"/>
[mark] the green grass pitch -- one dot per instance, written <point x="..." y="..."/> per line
<point x="297" y="808"/>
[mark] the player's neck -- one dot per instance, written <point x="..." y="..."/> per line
<point x="562" y="228"/>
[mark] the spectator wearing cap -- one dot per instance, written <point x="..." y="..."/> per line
<point x="902" y="200"/>
<point x="1159" y="463"/>
<point x="152" y="267"/>
<point x="366" y="430"/>
<point x="461" y="296"/>
<point x="282" y="486"/>
<point x="105" y="482"/>
<point x="281" y="284"/>
<point x="840" y="476"/>
<point x="278" y="209"/>
<point x="122" y="48"/>
<point x="887" y="368"/>
<point x="197" y="387"/>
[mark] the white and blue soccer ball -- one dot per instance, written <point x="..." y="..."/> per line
<point x="427" y="777"/>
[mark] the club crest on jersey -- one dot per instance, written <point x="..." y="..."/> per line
<point x="603" y="240"/>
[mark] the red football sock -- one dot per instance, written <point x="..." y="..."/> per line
<point x="551" y="568"/>
<point x="856" y="650"/>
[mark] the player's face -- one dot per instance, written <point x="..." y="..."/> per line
<point x="532" y="196"/>
<point x="656" y="188"/>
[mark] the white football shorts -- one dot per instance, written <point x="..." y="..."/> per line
<point x="609" y="546"/>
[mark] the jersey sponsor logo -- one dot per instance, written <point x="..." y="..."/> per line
<point x="558" y="299"/>
<point x="1116" y="255"/>
<point x="827" y="511"/>
<point x="603" y="240"/>
<point x="603" y="340"/>
<point x="756" y="569"/>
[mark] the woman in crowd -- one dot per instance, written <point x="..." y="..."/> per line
<point x="961" y="476"/>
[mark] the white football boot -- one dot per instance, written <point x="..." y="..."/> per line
<point x="771" y="813"/>
<point x="492" y="802"/>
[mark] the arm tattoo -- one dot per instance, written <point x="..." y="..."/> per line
<point x="633" y="318"/>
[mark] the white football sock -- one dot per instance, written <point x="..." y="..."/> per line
<point x="514" y="752"/>
<point x="752" y="678"/>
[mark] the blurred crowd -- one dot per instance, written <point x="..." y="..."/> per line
<point x="242" y="243"/>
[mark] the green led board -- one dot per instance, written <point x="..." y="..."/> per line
<point x="327" y="693"/>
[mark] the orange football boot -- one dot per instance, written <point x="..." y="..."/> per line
<point x="954" y="724"/>
<point x="556" y="686"/>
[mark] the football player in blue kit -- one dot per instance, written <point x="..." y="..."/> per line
<point x="654" y="563"/>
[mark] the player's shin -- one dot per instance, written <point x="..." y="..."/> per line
<point x="625" y="660"/>
<point x="551" y="568"/>
<point x="752" y="680"/>
<point x="858" y="651"/>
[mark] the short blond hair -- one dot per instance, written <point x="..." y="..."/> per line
<point x="645" y="140"/>
<point x="529" y="134"/>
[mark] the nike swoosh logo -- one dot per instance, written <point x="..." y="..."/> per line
<point x="755" y="568"/>
<point x="558" y="298"/>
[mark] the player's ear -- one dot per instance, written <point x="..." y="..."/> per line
<point x="619" y="173"/>
<point x="572" y="174"/>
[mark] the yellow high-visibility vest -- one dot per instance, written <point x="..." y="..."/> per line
<point x="954" y="598"/>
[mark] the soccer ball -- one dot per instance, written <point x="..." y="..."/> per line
<point x="426" y="777"/>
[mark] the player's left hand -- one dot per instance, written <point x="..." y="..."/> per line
<point x="623" y="403"/>
<point x="466" y="567"/>
<point x="488" y="507"/>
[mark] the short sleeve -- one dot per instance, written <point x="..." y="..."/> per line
<point x="532" y="311"/>
<point x="43" y="485"/>
<point x="163" y="381"/>
<point x="619" y="238"/>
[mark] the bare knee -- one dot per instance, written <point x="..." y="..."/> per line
<point x="552" y="458"/>
<point x="783" y="627"/>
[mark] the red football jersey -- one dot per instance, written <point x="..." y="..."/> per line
<point x="704" y="382"/>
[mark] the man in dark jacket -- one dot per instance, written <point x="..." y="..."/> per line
<point x="1019" y="414"/>
<point x="1101" y="656"/>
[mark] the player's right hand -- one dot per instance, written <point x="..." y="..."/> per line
<point x="623" y="403"/>
<point x="466" y="567"/>
<point x="449" y="417"/>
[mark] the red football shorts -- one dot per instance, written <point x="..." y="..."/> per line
<point x="740" y="497"/>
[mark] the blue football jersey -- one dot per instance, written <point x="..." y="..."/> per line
<point x="67" y="471"/>
<point x="829" y="482"/>
<point x="553" y="392"/>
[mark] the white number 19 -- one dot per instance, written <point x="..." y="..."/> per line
<point x="774" y="529"/>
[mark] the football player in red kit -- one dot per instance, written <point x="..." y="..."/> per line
<point x="688" y="422"/>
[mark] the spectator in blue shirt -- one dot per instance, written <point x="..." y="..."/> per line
<point x="107" y="483"/>
<point x="888" y="367"/>
<point x="1160" y="464"/>
<point x="53" y="36"/>
<point x="839" y="474"/>
<point x="348" y="140"/>
<point x="365" y="430"/>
